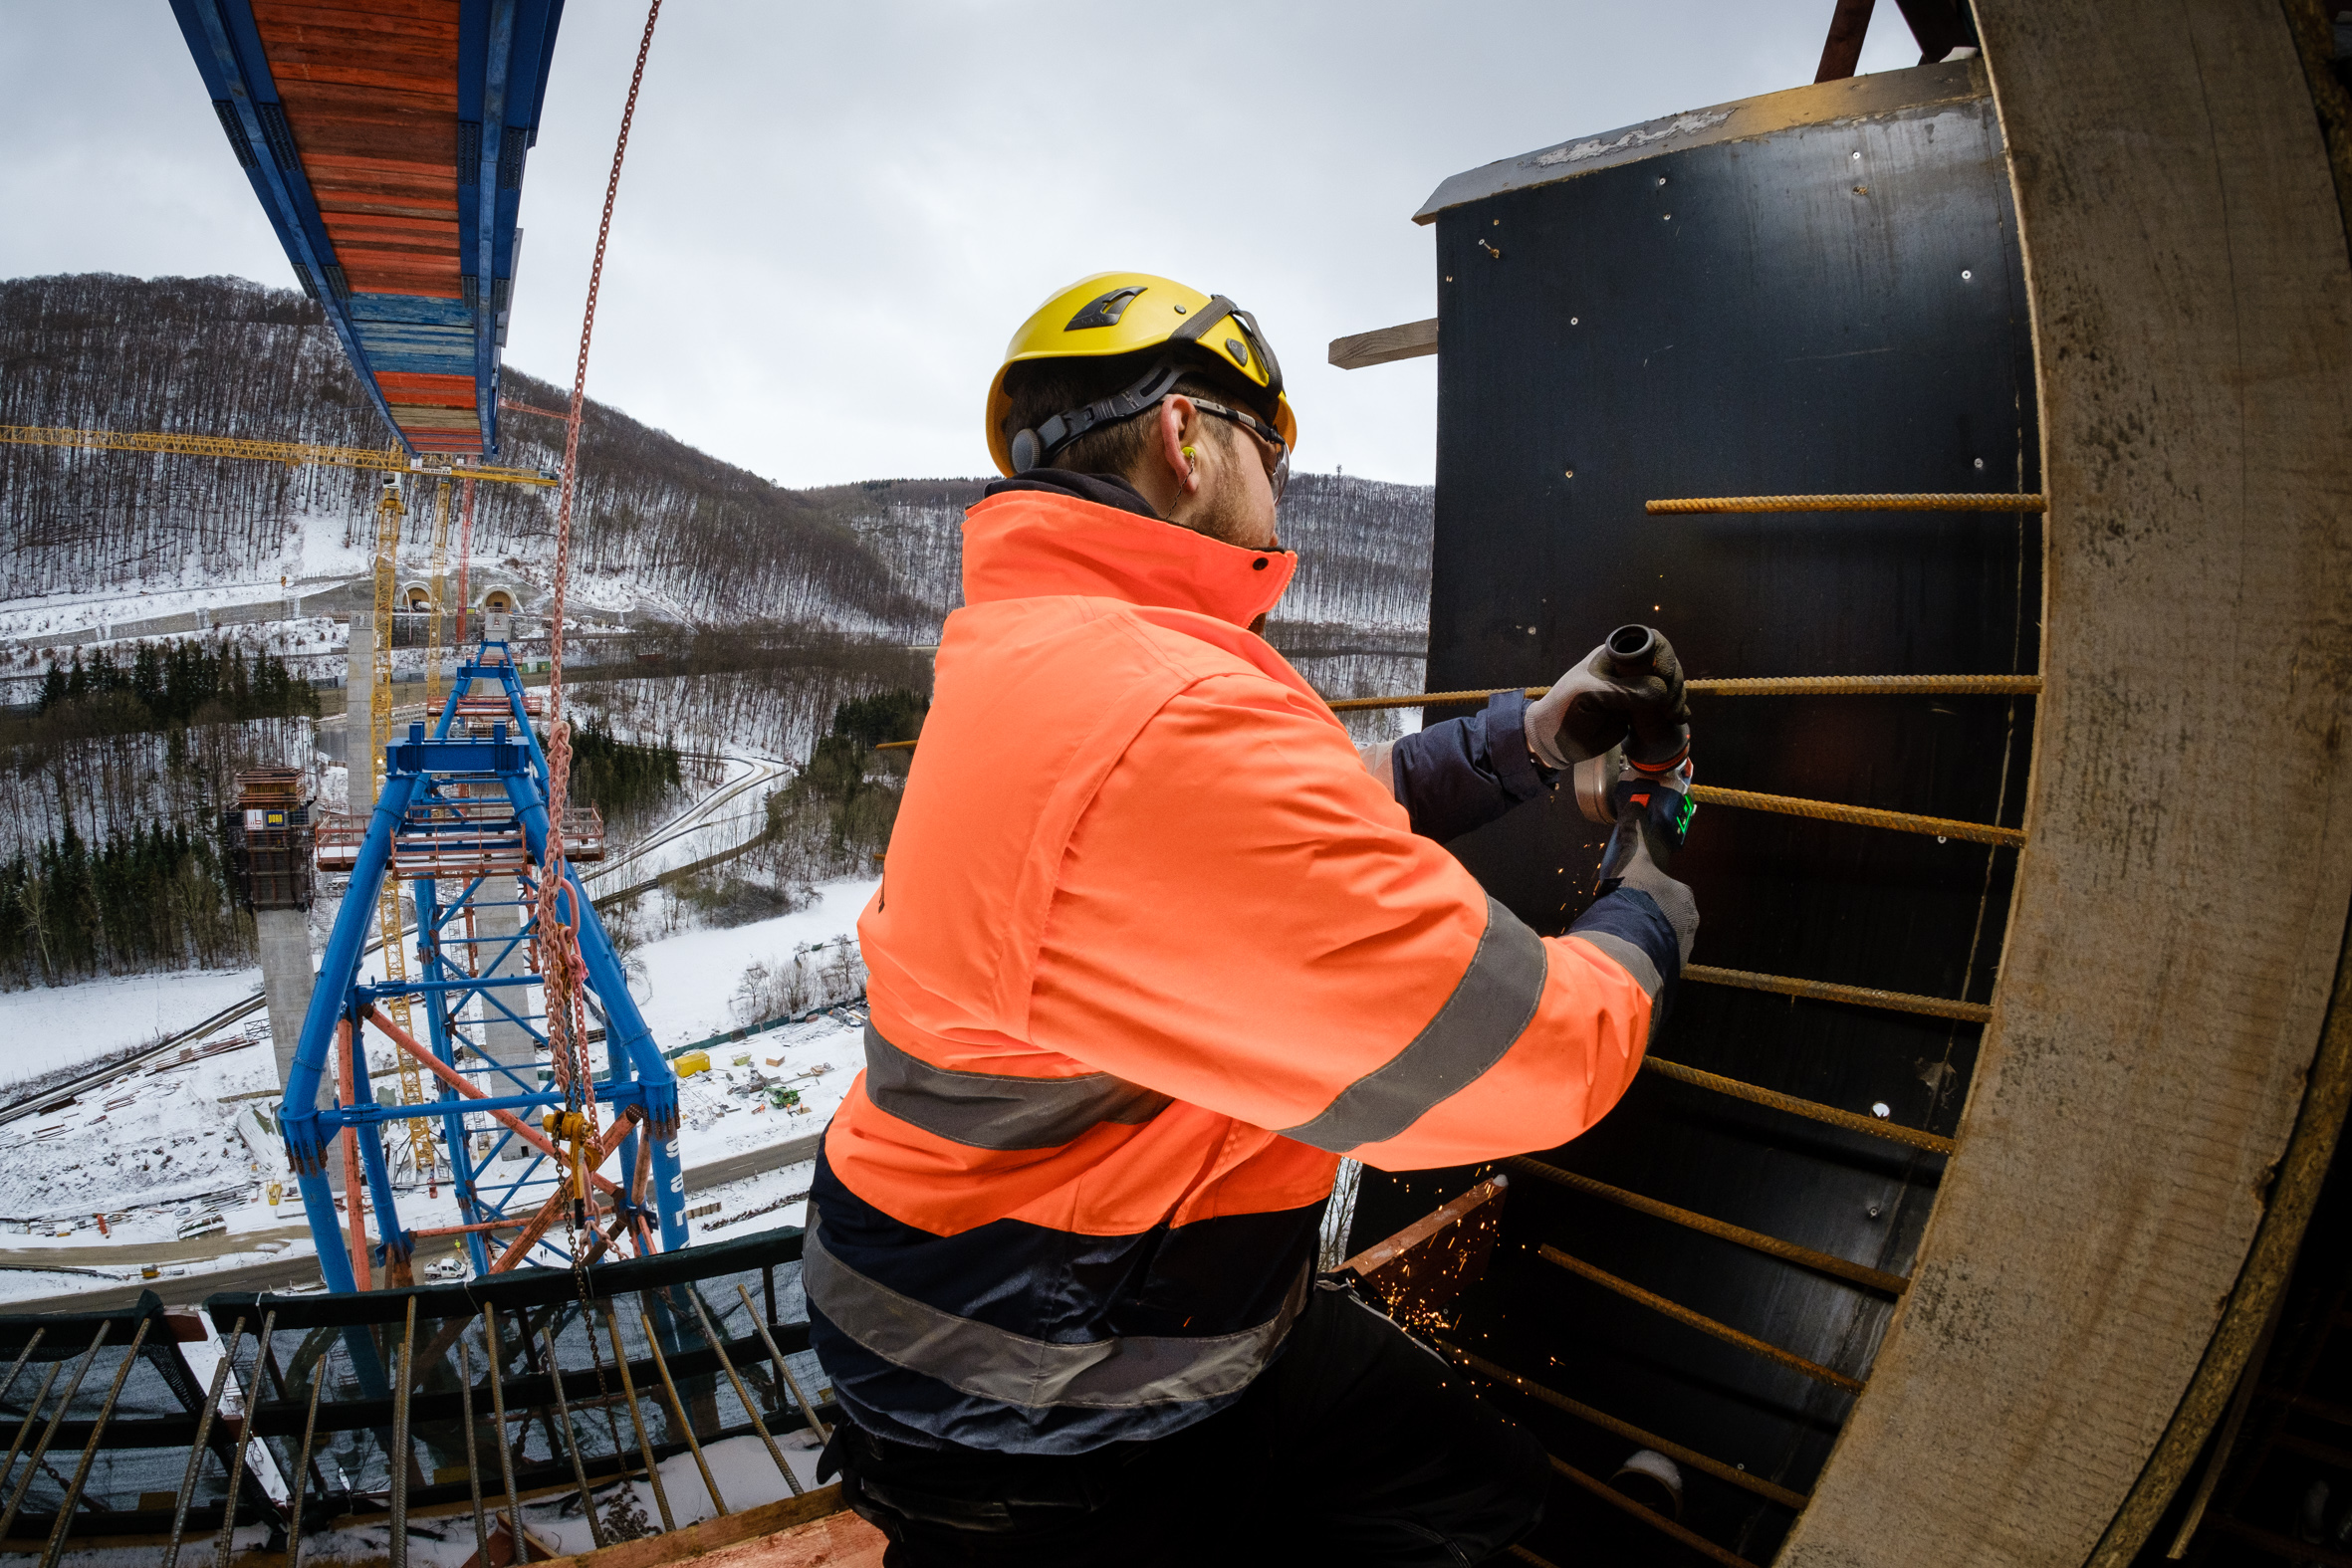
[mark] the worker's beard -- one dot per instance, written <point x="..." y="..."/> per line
<point x="1227" y="510"/>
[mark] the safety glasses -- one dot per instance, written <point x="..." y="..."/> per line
<point x="1275" y="453"/>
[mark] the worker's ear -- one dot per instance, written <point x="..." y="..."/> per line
<point x="1179" y="442"/>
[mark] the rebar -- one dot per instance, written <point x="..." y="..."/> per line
<point x="1812" y="1110"/>
<point x="750" y="1407"/>
<point x="16" y="1500"/>
<point x="1831" y="990"/>
<point x="224" y="1542"/>
<point x="588" y="1500"/>
<point x="187" y="1485"/>
<point x="404" y="1452"/>
<point x="495" y="1352"/>
<point x="1650" y="1516"/>
<point x="1867" y="686"/>
<point x="18" y="1365"/>
<point x="628" y="1390"/>
<point x="1930" y="501"/>
<point x="1771" y="1246"/>
<point x="473" y="1456"/>
<point x="1714" y="686"/>
<point x="1771" y="1490"/>
<point x="106" y="1413"/>
<point x="685" y="1422"/>
<point x="1699" y="1320"/>
<point x="1739" y="686"/>
<point x="32" y="1414"/>
<point x="1428" y="699"/>
<point x="300" y="1491"/>
<point x="776" y="1357"/>
<point x="1859" y="815"/>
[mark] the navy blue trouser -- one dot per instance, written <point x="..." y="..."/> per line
<point x="1356" y="1446"/>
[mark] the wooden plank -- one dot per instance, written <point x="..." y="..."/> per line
<point x="397" y="401"/>
<point x="413" y="385"/>
<point x="1409" y="341"/>
<point x="369" y="228"/>
<point x="412" y="417"/>
<point x="2126" y="1143"/>
<point x="380" y="18"/>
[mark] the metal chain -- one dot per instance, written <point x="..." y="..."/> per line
<point x="560" y="935"/>
<point x="559" y="938"/>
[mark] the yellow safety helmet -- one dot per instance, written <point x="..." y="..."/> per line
<point x="1122" y="312"/>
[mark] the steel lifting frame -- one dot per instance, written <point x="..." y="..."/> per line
<point x="471" y="807"/>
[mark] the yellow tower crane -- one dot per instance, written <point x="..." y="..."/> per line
<point x="422" y="1157"/>
<point x="294" y="453"/>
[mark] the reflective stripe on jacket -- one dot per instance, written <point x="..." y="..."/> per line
<point x="1152" y="950"/>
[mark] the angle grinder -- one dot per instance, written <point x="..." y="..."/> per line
<point x="1641" y="786"/>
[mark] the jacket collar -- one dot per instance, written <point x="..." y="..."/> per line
<point x="1031" y="543"/>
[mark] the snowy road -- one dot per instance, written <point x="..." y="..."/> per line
<point x="26" y="1015"/>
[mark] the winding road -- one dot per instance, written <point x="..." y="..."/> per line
<point x="758" y="773"/>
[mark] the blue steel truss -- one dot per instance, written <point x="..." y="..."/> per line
<point x="474" y="793"/>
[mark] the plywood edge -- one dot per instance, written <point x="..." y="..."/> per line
<point x="2171" y="953"/>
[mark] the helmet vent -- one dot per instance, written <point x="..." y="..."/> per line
<point x="1105" y="311"/>
<point x="1239" y="352"/>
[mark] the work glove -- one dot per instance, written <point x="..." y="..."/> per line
<point x="1653" y="817"/>
<point x="1628" y="691"/>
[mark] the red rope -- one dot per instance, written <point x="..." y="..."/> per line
<point x="566" y="1034"/>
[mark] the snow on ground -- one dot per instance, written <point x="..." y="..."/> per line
<point x="49" y="1028"/>
<point x="695" y="975"/>
<point x="178" y="1145"/>
<point x="313" y="556"/>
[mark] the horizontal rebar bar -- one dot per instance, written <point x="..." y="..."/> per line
<point x="1812" y="1110"/>
<point x="1651" y="1516"/>
<point x="1859" y="815"/>
<point x="1832" y="991"/>
<point x="1932" y="501"/>
<point x="1727" y="686"/>
<point x="1699" y="1320"/>
<point x="1739" y="686"/>
<point x="1428" y="699"/>
<point x="1627" y="1430"/>
<point x="1867" y="686"/>
<point x="1771" y="1246"/>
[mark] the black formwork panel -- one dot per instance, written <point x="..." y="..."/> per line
<point x="1833" y="304"/>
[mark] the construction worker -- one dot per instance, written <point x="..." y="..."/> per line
<point x="1155" y="947"/>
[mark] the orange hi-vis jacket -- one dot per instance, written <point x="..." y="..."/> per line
<point x="1152" y="952"/>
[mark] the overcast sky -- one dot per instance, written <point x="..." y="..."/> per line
<point x="833" y="216"/>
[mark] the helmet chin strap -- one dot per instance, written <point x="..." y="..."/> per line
<point x="1036" y="448"/>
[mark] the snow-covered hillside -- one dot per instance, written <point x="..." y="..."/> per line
<point x="662" y="528"/>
